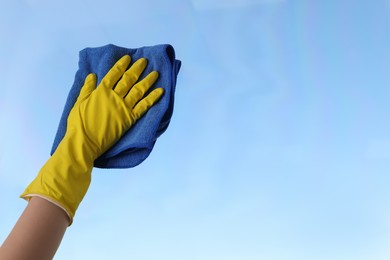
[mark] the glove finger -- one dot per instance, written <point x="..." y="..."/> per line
<point x="130" y="77"/>
<point x="88" y="87"/>
<point x="116" y="72"/>
<point x="144" y="105"/>
<point x="138" y="90"/>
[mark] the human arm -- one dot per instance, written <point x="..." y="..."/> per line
<point x="38" y="232"/>
<point x="100" y="116"/>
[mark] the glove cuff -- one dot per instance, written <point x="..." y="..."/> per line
<point x="65" y="177"/>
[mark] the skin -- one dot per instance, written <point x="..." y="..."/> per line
<point x="38" y="232"/>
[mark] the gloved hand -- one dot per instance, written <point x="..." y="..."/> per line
<point x="98" y="119"/>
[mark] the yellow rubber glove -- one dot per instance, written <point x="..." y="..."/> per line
<point x="100" y="116"/>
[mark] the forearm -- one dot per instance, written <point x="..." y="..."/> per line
<point x="64" y="179"/>
<point x="38" y="232"/>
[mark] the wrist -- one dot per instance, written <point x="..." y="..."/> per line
<point x="77" y="148"/>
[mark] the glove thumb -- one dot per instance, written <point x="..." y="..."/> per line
<point x="88" y="87"/>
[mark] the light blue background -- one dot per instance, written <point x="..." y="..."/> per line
<point x="278" y="149"/>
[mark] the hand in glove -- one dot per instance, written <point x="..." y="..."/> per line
<point x="100" y="116"/>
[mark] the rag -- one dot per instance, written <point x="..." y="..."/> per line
<point x="136" y="144"/>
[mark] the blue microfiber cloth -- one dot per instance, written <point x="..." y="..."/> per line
<point x="136" y="145"/>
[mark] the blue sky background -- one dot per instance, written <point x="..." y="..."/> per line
<point x="278" y="149"/>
